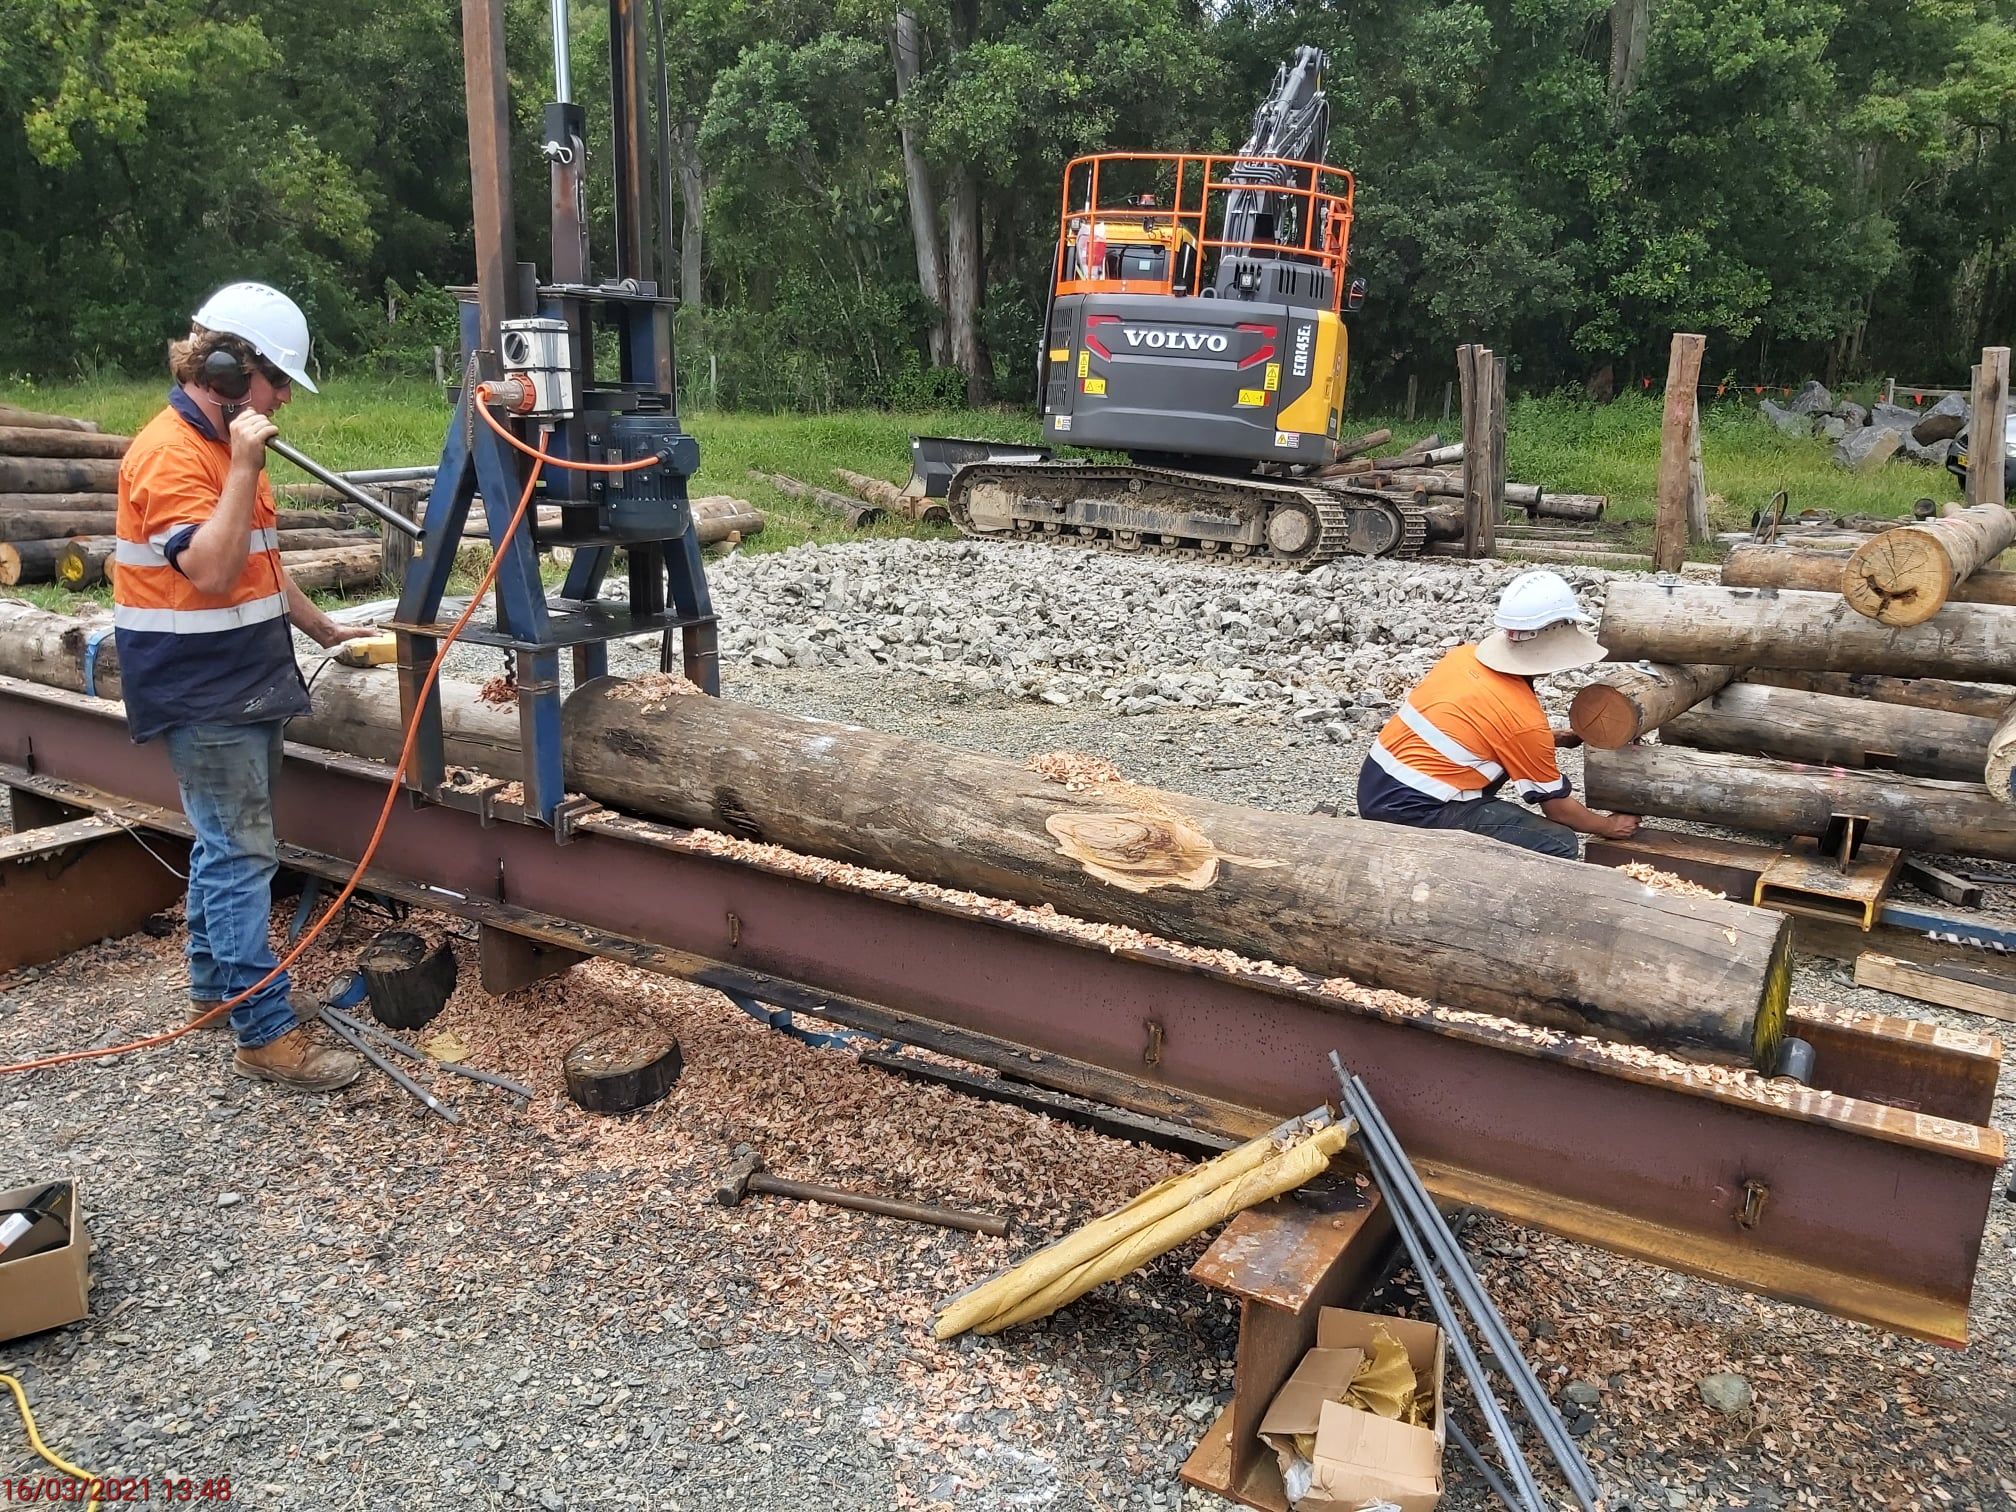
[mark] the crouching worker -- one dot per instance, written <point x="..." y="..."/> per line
<point x="202" y="609"/>
<point x="1474" y="726"/>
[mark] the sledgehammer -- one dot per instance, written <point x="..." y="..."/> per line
<point x="747" y="1175"/>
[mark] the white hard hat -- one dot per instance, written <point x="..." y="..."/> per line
<point x="1541" y="629"/>
<point x="1534" y="600"/>
<point x="268" y="319"/>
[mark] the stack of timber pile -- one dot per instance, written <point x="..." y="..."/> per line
<point x="1878" y="683"/>
<point x="1537" y="524"/>
<point x="1575" y="947"/>
<point x="59" y="500"/>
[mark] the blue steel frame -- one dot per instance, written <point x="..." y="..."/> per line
<point x="476" y="461"/>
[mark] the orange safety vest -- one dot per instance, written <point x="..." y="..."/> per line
<point x="186" y="656"/>
<point x="1465" y="731"/>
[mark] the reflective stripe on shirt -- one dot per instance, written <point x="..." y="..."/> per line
<point x="150" y="554"/>
<point x="199" y="621"/>
<point x="1421" y="782"/>
<point x="1446" y="747"/>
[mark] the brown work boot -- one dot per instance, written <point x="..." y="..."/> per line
<point x="200" y="1006"/>
<point x="299" y="1064"/>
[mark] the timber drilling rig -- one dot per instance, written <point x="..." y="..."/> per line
<point x="538" y="422"/>
<point x="1215" y="361"/>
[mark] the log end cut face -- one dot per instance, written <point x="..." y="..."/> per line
<point x="1604" y="717"/>
<point x="1900" y="578"/>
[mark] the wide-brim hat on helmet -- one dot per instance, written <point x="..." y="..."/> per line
<point x="269" y="320"/>
<point x="1535" y="653"/>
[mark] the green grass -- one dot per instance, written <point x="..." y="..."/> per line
<point x="1565" y="445"/>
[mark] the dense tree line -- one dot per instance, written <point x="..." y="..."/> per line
<point x="866" y="194"/>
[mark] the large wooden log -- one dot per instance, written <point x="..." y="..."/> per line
<point x="1560" y="506"/>
<point x="55" y="524"/>
<point x="1820" y="727"/>
<point x="1625" y="703"/>
<point x="85" y="563"/>
<point x="1904" y="577"/>
<point x="886" y="495"/>
<point x="1819" y="570"/>
<point x="30" y="561"/>
<point x="1771" y="627"/>
<point x="1784" y="798"/>
<point x="857" y="514"/>
<point x="31" y="441"/>
<point x="1980" y="700"/>
<point x="333" y="571"/>
<point x="58" y="474"/>
<point x="88" y="502"/>
<point x="1462" y="921"/>
<point x="1475" y="925"/>
<point x="1998" y="772"/>
<point x="36" y="420"/>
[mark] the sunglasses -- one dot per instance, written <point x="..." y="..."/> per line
<point x="272" y="374"/>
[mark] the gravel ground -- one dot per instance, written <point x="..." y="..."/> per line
<point x="344" y="1302"/>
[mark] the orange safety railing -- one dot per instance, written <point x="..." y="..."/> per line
<point x="1319" y="195"/>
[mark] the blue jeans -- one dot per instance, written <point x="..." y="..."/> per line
<point x="1513" y="823"/>
<point x="227" y="774"/>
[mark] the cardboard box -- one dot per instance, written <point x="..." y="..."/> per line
<point x="49" y="1289"/>
<point x="1361" y="1458"/>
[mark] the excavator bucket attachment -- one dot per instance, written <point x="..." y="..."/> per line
<point x="934" y="459"/>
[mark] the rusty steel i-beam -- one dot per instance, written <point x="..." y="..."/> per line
<point x="1865" y="1196"/>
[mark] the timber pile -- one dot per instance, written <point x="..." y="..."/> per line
<point x="1570" y="946"/>
<point x="1428" y="467"/>
<point x="59" y="489"/>
<point x="1878" y="683"/>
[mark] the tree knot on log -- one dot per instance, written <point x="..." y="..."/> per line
<point x="735" y="816"/>
<point x="1140" y="852"/>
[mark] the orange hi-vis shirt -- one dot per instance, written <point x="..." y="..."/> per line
<point x="188" y="657"/>
<point x="1464" y="732"/>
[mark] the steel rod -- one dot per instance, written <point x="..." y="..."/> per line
<point x="888" y="1207"/>
<point x="563" y="73"/>
<point x="1473" y="1369"/>
<point x="1480" y="1464"/>
<point x="344" y="486"/>
<point x="1402" y="1185"/>
<point x="357" y="1042"/>
<point x="393" y="1042"/>
<point x="1490" y="1322"/>
<point x="1396" y="1176"/>
<point x="416" y="474"/>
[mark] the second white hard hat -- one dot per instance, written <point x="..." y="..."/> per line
<point x="1541" y="629"/>
<point x="1534" y="600"/>
<point x="268" y="319"/>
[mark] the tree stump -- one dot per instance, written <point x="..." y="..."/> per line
<point x="408" y="978"/>
<point x="623" y="1068"/>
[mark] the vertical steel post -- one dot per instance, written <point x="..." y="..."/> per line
<point x="489" y="165"/>
<point x="628" y="138"/>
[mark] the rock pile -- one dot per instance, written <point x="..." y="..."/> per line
<point x="1333" y="647"/>
<point x="1866" y="438"/>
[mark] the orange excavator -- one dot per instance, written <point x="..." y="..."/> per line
<point x="1195" y="324"/>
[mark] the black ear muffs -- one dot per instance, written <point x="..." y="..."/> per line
<point x="225" y="376"/>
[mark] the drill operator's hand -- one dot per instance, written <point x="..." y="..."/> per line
<point x="1622" y="826"/>
<point x="250" y="431"/>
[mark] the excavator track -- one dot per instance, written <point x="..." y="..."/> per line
<point x="1158" y="511"/>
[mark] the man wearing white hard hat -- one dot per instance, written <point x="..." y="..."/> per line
<point x="202" y="609"/>
<point x="1473" y="728"/>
